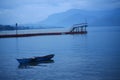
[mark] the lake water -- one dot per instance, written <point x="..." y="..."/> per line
<point x="94" y="56"/>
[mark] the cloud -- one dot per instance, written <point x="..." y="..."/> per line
<point x="95" y="4"/>
<point x="85" y="4"/>
<point x="31" y="11"/>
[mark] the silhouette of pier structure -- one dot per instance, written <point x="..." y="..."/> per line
<point x="76" y="29"/>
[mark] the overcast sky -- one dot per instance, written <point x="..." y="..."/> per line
<point x="32" y="11"/>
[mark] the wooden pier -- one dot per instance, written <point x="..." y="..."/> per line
<point x="76" y="29"/>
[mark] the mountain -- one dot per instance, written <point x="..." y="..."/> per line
<point x="75" y="16"/>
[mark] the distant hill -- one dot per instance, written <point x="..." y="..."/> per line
<point x="75" y="16"/>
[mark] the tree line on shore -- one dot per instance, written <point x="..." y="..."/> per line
<point x="11" y="27"/>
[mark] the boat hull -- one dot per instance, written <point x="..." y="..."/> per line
<point x="24" y="60"/>
<point x="44" y="58"/>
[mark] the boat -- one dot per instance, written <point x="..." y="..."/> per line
<point x="35" y="59"/>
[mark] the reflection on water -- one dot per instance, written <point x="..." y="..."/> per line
<point x="32" y="64"/>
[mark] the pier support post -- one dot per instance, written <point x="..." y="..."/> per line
<point x="16" y="28"/>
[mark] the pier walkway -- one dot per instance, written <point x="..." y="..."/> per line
<point x="75" y="29"/>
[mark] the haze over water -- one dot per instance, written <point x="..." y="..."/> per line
<point x="93" y="56"/>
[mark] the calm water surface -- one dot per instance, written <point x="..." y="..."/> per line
<point x="94" y="56"/>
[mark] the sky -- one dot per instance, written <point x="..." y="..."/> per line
<point x="32" y="11"/>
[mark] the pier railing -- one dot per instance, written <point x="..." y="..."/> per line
<point x="79" y="27"/>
